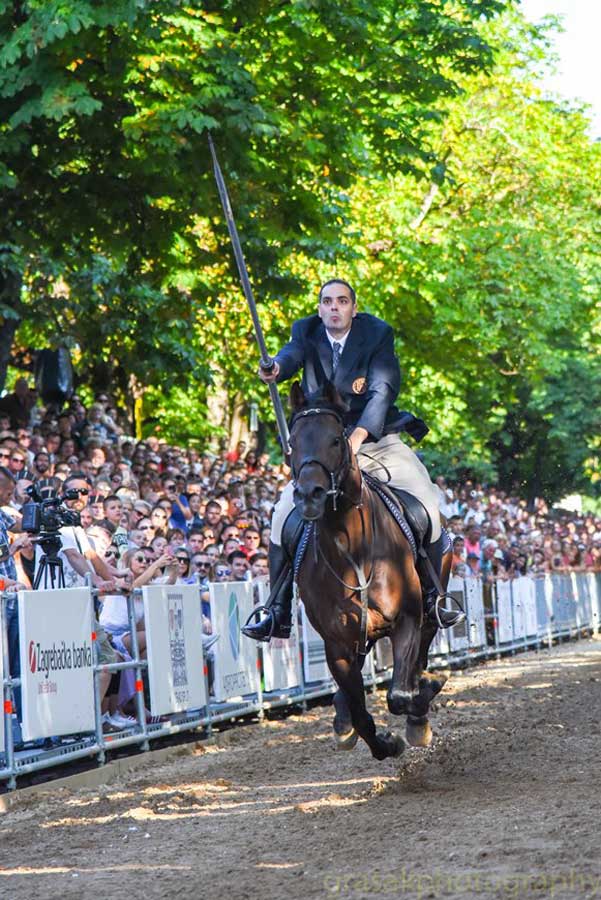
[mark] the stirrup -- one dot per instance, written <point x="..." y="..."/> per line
<point x="256" y="610"/>
<point x="459" y="614"/>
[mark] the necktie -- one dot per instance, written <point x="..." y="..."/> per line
<point x="336" y="351"/>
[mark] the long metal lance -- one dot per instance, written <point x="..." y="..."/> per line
<point x="266" y="360"/>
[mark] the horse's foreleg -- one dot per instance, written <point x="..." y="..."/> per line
<point x="405" y="640"/>
<point x="429" y="684"/>
<point x="346" y="736"/>
<point x="347" y="675"/>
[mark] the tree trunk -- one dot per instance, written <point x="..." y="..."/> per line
<point x="10" y="298"/>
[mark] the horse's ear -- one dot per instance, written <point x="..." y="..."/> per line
<point x="297" y="397"/>
<point x="331" y="395"/>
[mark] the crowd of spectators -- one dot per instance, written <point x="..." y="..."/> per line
<point x="500" y="535"/>
<point x="152" y="512"/>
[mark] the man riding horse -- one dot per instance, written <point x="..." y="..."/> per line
<point x="355" y="351"/>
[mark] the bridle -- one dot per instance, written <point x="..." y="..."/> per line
<point x="335" y="476"/>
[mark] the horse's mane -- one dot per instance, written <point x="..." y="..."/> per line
<point x="326" y="397"/>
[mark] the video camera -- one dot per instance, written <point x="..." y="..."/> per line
<point x="46" y="516"/>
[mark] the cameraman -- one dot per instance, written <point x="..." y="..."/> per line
<point x="79" y="557"/>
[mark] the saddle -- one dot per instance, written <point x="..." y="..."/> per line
<point x="412" y="510"/>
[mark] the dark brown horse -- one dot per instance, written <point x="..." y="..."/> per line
<point x="356" y="540"/>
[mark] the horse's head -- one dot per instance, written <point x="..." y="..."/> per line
<point x="320" y="455"/>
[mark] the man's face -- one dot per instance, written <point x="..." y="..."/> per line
<point x="42" y="463"/>
<point x="80" y="485"/>
<point x="239" y="568"/>
<point x="213" y="515"/>
<point x="336" y="308"/>
<point x="113" y="510"/>
<point x="201" y="563"/>
<point x="196" y="543"/>
<point x="251" y="539"/>
<point x="259" y="568"/>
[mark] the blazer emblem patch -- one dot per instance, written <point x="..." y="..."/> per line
<point x="359" y="385"/>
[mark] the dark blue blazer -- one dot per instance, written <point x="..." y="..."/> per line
<point x="368" y="375"/>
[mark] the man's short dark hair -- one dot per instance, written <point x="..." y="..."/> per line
<point x="260" y="554"/>
<point x="74" y="476"/>
<point x="109" y="499"/>
<point x="235" y="554"/>
<point x="338" y="281"/>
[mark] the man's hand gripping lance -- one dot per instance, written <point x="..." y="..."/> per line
<point x="267" y="362"/>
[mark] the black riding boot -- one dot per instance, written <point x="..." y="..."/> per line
<point x="441" y="616"/>
<point x="277" y="621"/>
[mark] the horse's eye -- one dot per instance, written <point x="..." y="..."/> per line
<point x="336" y="442"/>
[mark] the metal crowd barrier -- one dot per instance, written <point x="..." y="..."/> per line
<point x="248" y="678"/>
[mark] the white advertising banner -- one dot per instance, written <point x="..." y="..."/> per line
<point x="458" y="636"/>
<point x="173" y="626"/>
<point x="524" y="591"/>
<point x="504" y="614"/>
<point x="281" y="658"/>
<point x="57" y="676"/>
<point x="236" y="673"/>
<point x="315" y="666"/>
<point x="474" y="607"/>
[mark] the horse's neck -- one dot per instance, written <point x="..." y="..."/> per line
<point x="352" y="488"/>
<point x="341" y="520"/>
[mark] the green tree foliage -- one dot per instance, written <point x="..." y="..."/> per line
<point x="378" y="139"/>
<point x="104" y="167"/>
<point x="489" y="275"/>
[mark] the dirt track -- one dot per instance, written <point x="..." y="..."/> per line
<point x="504" y="804"/>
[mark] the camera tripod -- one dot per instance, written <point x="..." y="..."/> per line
<point x="50" y="573"/>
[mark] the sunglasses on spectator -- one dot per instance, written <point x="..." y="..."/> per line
<point x="17" y="459"/>
<point x="183" y="559"/>
<point x="110" y="552"/>
<point x="221" y="572"/>
<point x="202" y="565"/>
<point x="142" y="559"/>
<point x="4" y="454"/>
<point x="146" y="528"/>
<point x="169" y="487"/>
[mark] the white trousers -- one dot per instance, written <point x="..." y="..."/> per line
<point x="391" y="461"/>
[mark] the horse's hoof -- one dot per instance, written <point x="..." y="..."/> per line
<point x="418" y="734"/>
<point x="346" y="741"/>
<point x="399" y="702"/>
<point x="389" y="744"/>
